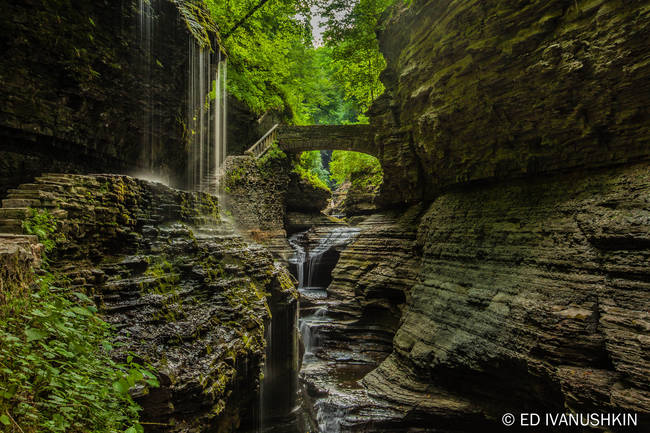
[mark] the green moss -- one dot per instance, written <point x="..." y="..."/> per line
<point x="198" y="21"/>
<point x="42" y="223"/>
<point x="233" y="177"/>
<point x="267" y="164"/>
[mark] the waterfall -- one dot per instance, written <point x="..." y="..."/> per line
<point x="298" y="258"/>
<point x="308" y="265"/>
<point x="149" y="141"/>
<point x="309" y="261"/>
<point x="279" y="389"/>
<point x="206" y="117"/>
<point x="206" y="124"/>
<point x="337" y="237"/>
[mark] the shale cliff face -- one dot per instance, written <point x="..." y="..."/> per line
<point x="479" y="90"/>
<point x="523" y="128"/>
<point x="532" y="296"/>
<point x="79" y="92"/>
<point x="103" y="86"/>
<point x="184" y="292"/>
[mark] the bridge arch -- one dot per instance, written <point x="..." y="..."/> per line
<point x="356" y="138"/>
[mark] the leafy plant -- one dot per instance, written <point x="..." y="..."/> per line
<point x="267" y="161"/>
<point x="350" y="31"/>
<point x="259" y="62"/>
<point x="310" y="168"/>
<point x="42" y="223"/>
<point x="56" y="374"/>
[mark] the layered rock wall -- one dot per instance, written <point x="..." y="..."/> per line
<point x="536" y="289"/>
<point x="481" y="90"/>
<point x="523" y="127"/>
<point x="183" y="291"/>
<point x="95" y="87"/>
<point x="255" y="192"/>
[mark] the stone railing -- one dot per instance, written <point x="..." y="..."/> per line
<point x="297" y="139"/>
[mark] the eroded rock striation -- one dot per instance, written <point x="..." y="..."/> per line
<point x="479" y="90"/>
<point x="522" y="130"/>
<point x="349" y="330"/>
<point x="531" y="285"/>
<point x="184" y="292"/>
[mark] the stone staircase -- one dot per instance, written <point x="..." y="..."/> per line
<point x="210" y="183"/>
<point x="36" y="195"/>
<point x="17" y="247"/>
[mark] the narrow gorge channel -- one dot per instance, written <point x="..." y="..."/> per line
<point x="316" y="253"/>
<point x="374" y="216"/>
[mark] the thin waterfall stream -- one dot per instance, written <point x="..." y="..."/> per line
<point x="207" y="110"/>
<point x="312" y="264"/>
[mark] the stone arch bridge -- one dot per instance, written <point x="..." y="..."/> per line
<point x="296" y="139"/>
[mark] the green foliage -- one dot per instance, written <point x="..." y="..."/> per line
<point x="273" y="154"/>
<point x="259" y="51"/>
<point x="56" y="374"/>
<point x="275" y="66"/>
<point x="310" y="168"/>
<point x="267" y="162"/>
<point x="356" y="60"/>
<point x="42" y="223"/>
<point x="320" y="99"/>
<point x="360" y="169"/>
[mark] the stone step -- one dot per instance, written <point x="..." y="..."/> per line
<point x="66" y="176"/>
<point x="22" y="202"/>
<point x="24" y="193"/>
<point x="11" y="226"/>
<point x="55" y="181"/>
<point x="19" y="239"/>
<point x="15" y="212"/>
<point x="41" y="187"/>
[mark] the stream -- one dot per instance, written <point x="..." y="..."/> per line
<point x="316" y="253"/>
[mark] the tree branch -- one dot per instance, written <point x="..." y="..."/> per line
<point x="243" y="20"/>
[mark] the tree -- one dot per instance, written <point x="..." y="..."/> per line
<point x="350" y="33"/>
<point x="259" y="50"/>
<point x="360" y="169"/>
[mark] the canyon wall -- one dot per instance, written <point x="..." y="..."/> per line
<point x="102" y="87"/>
<point x="78" y="88"/>
<point x="267" y="199"/>
<point x="183" y="291"/>
<point x="523" y="127"/>
<point x="532" y="296"/>
<point x="482" y="90"/>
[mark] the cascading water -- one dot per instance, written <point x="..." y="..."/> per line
<point x="310" y="264"/>
<point x="337" y="237"/>
<point x="298" y="258"/>
<point x="206" y="117"/>
<point x="149" y="140"/>
<point x="308" y="267"/>
<point x="307" y="262"/>
<point x="279" y="388"/>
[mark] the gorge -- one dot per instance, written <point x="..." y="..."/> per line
<point x="501" y="268"/>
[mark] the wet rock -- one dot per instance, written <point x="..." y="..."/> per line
<point x="528" y="286"/>
<point x="304" y="197"/>
<point x="301" y="221"/>
<point x="255" y="192"/>
<point x="348" y="330"/>
<point x="18" y="255"/>
<point x="78" y="87"/>
<point x="487" y="90"/>
<point x="191" y="301"/>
